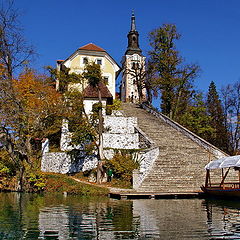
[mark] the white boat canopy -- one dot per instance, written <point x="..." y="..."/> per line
<point x="225" y="162"/>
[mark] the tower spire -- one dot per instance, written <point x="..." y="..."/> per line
<point x="133" y="44"/>
<point x="133" y="24"/>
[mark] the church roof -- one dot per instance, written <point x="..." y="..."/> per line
<point x="89" y="49"/>
<point x="92" y="47"/>
<point x="92" y="92"/>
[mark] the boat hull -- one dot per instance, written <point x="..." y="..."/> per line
<point x="220" y="192"/>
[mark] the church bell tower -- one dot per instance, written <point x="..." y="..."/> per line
<point x="133" y="65"/>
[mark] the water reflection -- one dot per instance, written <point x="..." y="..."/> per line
<point x="223" y="219"/>
<point x="51" y="216"/>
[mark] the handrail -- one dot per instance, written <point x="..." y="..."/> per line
<point x="200" y="141"/>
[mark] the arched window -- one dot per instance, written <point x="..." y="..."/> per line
<point x="85" y="60"/>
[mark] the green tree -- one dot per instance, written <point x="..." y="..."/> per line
<point x="123" y="164"/>
<point x="219" y="137"/>
<point x="196" y="118"/>
<point x="175" y="80"/>
<point x="92" y="73"/>
<point x="80" y="125"/>
<point x="86" y="129"/>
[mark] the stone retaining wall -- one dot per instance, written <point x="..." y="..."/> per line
<point x="147" y="159"/>
<point x="62" y="162"/>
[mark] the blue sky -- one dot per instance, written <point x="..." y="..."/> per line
<point x="210" y="30"/>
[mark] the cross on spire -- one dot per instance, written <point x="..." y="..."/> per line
<point x="133" y="24"/>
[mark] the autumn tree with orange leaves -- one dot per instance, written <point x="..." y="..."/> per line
<point x="30" y="108"/>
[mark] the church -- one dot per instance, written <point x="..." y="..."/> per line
<point x="133" y="66"/>
<point x="132" y="62"/>
<point x="171" y="157"/>
<point x="119" y="131"/>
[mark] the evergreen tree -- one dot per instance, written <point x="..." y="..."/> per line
<point x="195" y="118"/>
<point x="219" y="137"/>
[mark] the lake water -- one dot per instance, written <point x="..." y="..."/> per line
<point x="51" y="216"/>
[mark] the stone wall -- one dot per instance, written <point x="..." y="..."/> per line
<point x="147" y="159"/>
<point x="120" y="133"/>
<point x="120" y="141"/>
<point x="62" y="162"/>
<point x="120" y="125"/>
<point x="65" y="137"/>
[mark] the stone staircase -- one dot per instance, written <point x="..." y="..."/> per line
<point x="180" y="165"/>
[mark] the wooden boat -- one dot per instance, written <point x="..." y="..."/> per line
<point x="223" y="189"/>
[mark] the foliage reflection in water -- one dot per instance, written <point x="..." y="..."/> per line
<point x="52" y="216"/>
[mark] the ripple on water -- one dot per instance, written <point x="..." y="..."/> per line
<point x="28" y="216"/>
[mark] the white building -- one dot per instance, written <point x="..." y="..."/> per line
<point x="76" y="63"/>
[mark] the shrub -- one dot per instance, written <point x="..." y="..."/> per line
<point x="35" y="182"/>
<point x="115" y="106"/>
<point x="123" y="165"/>
<point x="7" y="167"/>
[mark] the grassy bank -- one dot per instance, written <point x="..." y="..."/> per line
<point x="50" y="182"/>
<point x="64" y="183"/>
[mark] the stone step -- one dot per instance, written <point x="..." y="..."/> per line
<point x="180" y="165"/>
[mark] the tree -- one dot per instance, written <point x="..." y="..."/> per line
<point x="175" y="80"/>
<point x="79" y="124"/>
<point x="195" y="118"/>
<point x="150" y="80"/>
<point x="231" y="108"/>
<point x="84" y="128"/>
<point x="14" y="54"/>
<point x="219" y="137"/>
<point x="92" y="73"/>
<point x="14" y="51"/>
<point x="29" y="109"/>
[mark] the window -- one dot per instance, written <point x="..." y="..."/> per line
<point x="99" y="61"/>
<point x="105" y="80"/>
<point x="135" y="65"/>
<point x="85" y="60"/>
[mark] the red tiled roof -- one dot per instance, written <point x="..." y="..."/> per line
<point x="92" y="47"/>
<point x="91" y="92"/>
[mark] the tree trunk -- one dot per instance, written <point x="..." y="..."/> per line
<point x="20" y="179"/>
<point x="29" y="146"/>
<point x="100" y="145"/>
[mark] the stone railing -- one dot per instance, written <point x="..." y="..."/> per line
<point x="147" y="159"/>
<point x="209" y="147"/>
<point x="144" y="141"/>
